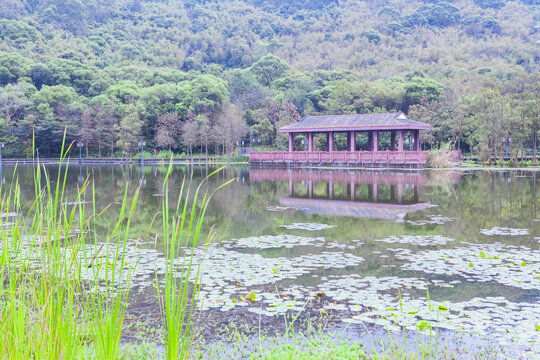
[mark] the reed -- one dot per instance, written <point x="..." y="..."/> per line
<point x="64" y="291"/>
<point x="182" y="232"/>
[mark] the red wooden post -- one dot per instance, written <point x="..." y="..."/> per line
<point x="370" y="140"/>
<point x="392" y="141"/>
<point x="310" y="142"/>
<point x="330" y="141"/>
<point x="291" y="140"/>
<point x="416" y="140"/>
<point x="352" y="135"/>
<point x="375" y="140"/>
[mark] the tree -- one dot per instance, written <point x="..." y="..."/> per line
<point x="86" y="132"/>
<point x="203" y="126"/>
<point x="168" y="129"/>
<point x="129" y="131"/>
<point x="190" y="134"/>
<point x="232" y="127"/>
<point x="373" y="36"/>
<point x="421" y="89"/>
<point x="493" y="4"/>
<point x="269" y="68"/>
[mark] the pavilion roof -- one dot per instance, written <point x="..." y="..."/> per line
<point x="327" y="207"/>
<point x="355" y="122"/>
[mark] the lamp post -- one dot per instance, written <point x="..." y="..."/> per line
<point x="80" y="145"/>
<point x="141" y="144"/>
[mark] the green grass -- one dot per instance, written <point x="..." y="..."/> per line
<point x="64" y="292"/>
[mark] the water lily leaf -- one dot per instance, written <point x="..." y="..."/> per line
<point x="251" y="296"/>
<point x="482" y="254"/>
<point x="275" y="271"/>
<point x="537" y="327"/>
<point x="471" y="264"/>
<point x="523" y="263"/>
<point x="422" y="325"/>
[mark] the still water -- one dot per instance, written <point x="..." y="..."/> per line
<point x="458" y="250"/>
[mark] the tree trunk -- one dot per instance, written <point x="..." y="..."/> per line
<point x="534" y="146"/>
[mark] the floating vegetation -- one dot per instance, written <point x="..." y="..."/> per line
<point x="308" y="226"/>
<point x="229" y="274"/>
<point x="432" y="219"/>
<point x="374" y="301"/>
<point x="274" y="242"/>
<point x="517" y="266"/>
<point x="504" y="231"/>
<point x="419" y="240"/>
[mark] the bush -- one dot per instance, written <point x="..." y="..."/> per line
<point x="444" y="157"/>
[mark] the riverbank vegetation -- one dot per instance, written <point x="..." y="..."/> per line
<point x="200" y="76"/>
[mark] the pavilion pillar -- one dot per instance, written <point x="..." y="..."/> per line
<point x="375" y="141"/>
<point x="352" y="142"/>
<point x="291" y="188"/>
<point x="370" y="141"/>
<point x="392" y="141"/>
<point x="400" y="140"/>
<point x="310" y="141"/>
<point x="330" y="141"/>
<point x="291" y="142"/>
<point x="417" y="140"/>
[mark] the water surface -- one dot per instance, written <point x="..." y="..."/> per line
<point x="365" y="246"/>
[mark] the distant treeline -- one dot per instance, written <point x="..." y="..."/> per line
<point x="202" y="75"/>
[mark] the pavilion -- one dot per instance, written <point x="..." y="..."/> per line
<point x="351" y="124"/>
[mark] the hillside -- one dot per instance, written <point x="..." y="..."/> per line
<point x="192" y="74"/>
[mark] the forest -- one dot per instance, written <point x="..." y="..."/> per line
<point x="198" y="76"/>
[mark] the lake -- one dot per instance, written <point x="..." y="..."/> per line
<point x="458" y="250"/>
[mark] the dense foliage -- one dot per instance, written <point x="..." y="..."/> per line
<point x="199" y="75"/>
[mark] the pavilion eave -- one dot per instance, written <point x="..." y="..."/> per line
<point x="353" y="128"/>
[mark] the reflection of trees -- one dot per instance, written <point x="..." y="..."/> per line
<point x="479" y="200"/>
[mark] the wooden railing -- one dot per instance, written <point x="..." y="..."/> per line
<point x="401" y="157"/>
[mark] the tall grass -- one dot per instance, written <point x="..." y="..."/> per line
<point x="178" y="299"/>
<point x="64" y="291"/>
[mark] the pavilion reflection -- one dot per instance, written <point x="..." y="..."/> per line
<point x="387" y="195"/>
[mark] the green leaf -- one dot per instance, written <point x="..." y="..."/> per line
<point x="412" y="312"/>
<point x="482" y="254"/>
<point x="537" y="327"/>
<point x="422" y="325"/>
<point x="523" y="263"/>
<point x="275" y="271"/>
<point x="390" y="309"/>
<point x="443" y="308"/>
<point x="471" y="264"/>
<point x="251" y="296"/>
